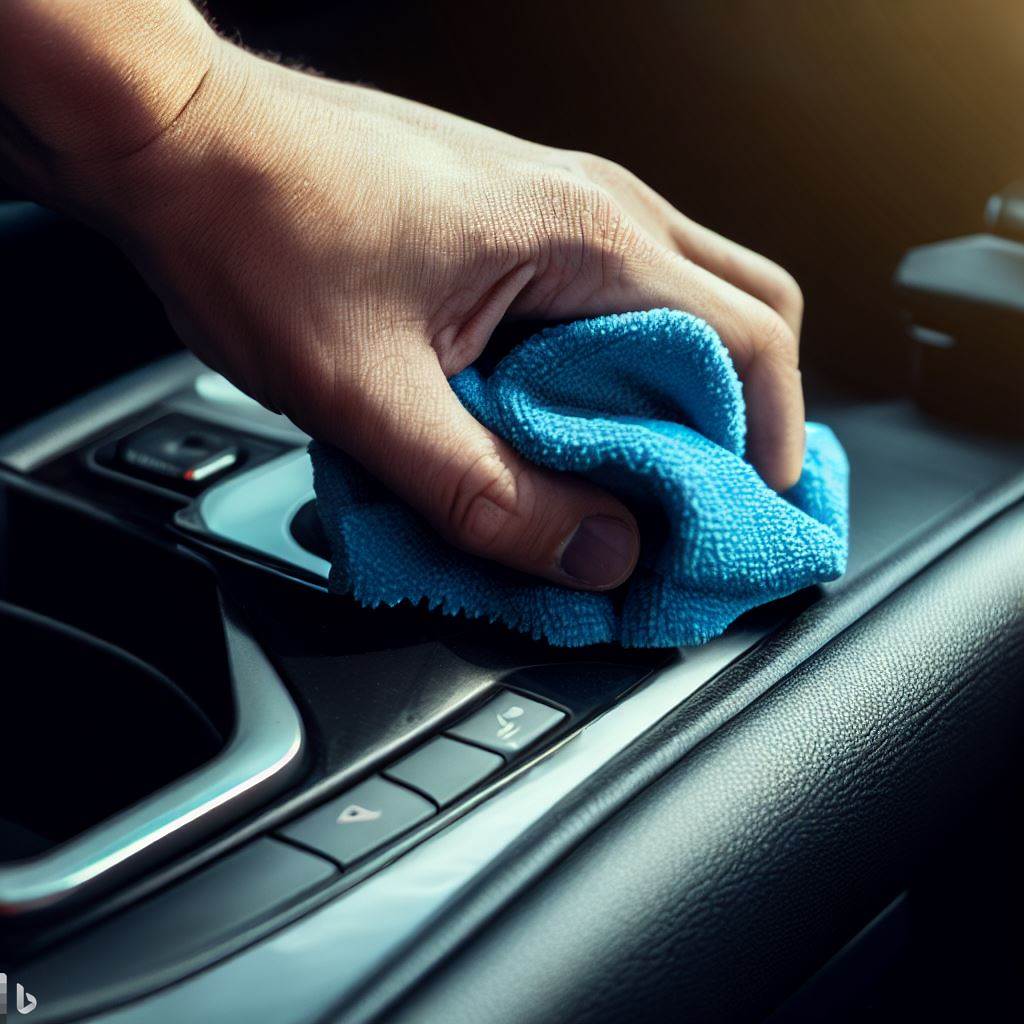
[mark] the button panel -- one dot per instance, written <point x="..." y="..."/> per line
<point x="444" y="768"/>
<point x="372" y="814"/>
<point x="359" y="821"/>
<point x="508" y="724"/>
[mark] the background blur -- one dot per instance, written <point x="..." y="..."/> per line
<point x="829" y="134"/>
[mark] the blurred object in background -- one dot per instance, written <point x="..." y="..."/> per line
<point x="963" y="303"/>
<point x="1004" y="212"/>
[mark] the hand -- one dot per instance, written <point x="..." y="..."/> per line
<point x="338" y="253"/>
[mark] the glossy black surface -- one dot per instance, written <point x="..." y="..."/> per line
<point x="210" y="910"/>
<point x="89" y="729"/>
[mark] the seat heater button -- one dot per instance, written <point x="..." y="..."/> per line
<point x="444" y="769"/>
<point x="359" y="821"/>
<point x="508" y="723"/>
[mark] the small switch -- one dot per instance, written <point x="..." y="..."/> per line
<point x="171" y="449"/>
<point x="361" y="820"/>
<point x="444" y="769"/>
<point x="508" y="723"/>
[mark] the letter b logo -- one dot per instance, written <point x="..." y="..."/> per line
<point x="25" y="1002"/>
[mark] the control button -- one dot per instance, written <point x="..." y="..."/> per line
<point x="508" y="723"/>
<point x="444" y="769"/>
<point x="177" y="450"/>
<point x="366" y="817"/>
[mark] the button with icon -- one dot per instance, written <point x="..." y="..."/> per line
<point x="354" y="813"/>
<point x="360" y="820"/>
<point x="507" y="724"/>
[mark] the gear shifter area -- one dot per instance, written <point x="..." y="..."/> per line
<point x="269" y="512"/>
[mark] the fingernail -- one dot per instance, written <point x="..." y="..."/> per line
<point x="601" y="552"/>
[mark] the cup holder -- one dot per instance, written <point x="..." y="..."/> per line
<point x="90" y="730"/>
<point x="139" y="714"/>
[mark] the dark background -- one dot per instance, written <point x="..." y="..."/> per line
<point x="829" y="134"/>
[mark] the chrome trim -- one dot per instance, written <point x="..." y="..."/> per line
<point x="64" y="429"/>
<point x="261" y="757"/>
<point x="178" y="383"/>
<point x="333" y="952"/>
<point x="254" y="510"/>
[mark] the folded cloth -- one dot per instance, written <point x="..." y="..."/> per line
<point x="647" y="405"/>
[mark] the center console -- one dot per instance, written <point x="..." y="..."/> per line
<point x="220" y="768"/>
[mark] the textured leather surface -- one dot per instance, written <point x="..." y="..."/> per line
<point x="714" y="893"/>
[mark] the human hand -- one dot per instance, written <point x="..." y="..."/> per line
<point x="339" y="252"/>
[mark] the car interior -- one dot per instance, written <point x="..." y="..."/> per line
<point x="807" y="819"/>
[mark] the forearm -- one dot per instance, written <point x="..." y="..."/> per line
<point x="86" y="82"/>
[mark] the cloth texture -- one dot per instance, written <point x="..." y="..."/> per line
<point x="649" y="406"/>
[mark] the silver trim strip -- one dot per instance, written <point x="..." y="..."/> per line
<point x="57" y="432"/>
<point x="180" y="382"/>
<point x="262" y="755"/>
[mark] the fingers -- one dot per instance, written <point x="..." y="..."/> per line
<point x="764" y="351"/>
<point x="637" y="258"/>
<point x="408" y="428"/>
<point x="634" y="274"/>
<point x="742" y="267"/>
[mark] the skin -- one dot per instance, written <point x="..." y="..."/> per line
<point x="338" y="253"/>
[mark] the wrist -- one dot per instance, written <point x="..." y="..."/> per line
<point x="87" y="82"/>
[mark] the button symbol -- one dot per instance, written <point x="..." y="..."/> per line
<point x="507" y="728"/>
<point x="354" y="813"/>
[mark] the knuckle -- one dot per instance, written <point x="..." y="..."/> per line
<point x="483" y="502"/>
<point x="593" y="240"/>
<point x="772" y="336"/>
<point x="783" y="292"/>
<point x="494" y="509"/>
<point x="608" y="234"/>
<point x="603" y="171"/>
<point x="588" y="212"/>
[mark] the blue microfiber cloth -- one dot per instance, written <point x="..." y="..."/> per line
<point x="647" y="405"/>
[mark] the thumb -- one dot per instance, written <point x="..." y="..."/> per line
<point x="407" y="427"/>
